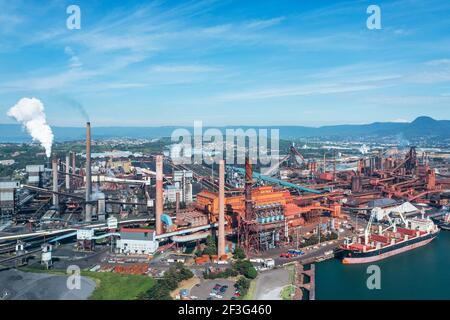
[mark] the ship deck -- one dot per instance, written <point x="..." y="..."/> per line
<point x="377" y="241"/>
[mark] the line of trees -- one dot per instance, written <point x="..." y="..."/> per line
<point x="170" y="281"/>
<point x="239" y="267"/>
<point x="313" y="240"/>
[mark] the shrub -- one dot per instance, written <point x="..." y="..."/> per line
<point x="239" y="253"/>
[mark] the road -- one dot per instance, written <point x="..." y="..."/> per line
<point x="270" y="283"/>
<point x="18" y="285"/>
<point x="310" y="255"/>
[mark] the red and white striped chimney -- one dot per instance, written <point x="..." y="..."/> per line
<point x="55" y="182"/>
<point x="159" y="194"/>
<point x="88" y="207"/>
<point x="221" y="240"/>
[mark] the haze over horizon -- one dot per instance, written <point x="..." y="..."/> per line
<point x="82" y="124"/>
<point x="160" y="63"/>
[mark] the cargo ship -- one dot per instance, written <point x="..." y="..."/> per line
<point x="444" y="222"/>
<point x="400" y="235"/>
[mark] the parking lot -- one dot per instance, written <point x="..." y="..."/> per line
<point x="203" y="290"/>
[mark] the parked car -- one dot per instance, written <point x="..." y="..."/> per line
<point x="292" y="254"/>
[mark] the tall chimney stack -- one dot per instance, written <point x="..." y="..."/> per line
<point x="248" y="189"/>
<point x="55" y="182"/>
<point x="221" y="240"/>
<point x="74" y="164"/>
<point x="159" y="193"/>
<point x="67" y="172"/>
<point x="88" y="173"/>
<point x="177" y="202"/>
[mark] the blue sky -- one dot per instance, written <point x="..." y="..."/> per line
<point x="268" y="62"/>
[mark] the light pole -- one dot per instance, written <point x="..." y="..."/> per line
<point x="318" y="229"/>
<point x="297" y="229"/>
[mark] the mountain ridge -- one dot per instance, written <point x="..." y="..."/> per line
<point x="419" y="127"/>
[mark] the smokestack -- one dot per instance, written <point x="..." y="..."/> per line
<point x="55" y="182"/>
<point x="248" y="189"/>
<point x="88" y="173"/>
<point x="67" y="172"/>
<point x="159" y="193"/>
<point x="177" y="202"/>
<point x="74" y="165"/>
<point x="221" y="240"/>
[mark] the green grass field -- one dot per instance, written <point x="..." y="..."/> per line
<point x="110" y="286"/>
<point x="114" y="286"/>
<point x="251" y="291"/>
<point x="286" y="293"/>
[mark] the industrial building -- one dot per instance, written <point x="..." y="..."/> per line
<point x="8" y="196"/>
<point x="35" y="173"/>
<point x="137" y="241"/>
<point x="183" y="182"/>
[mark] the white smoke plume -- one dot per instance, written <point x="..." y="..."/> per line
<point x="30" y="113"/>
<point x="364" y="149"/>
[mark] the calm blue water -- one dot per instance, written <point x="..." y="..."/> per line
<point x="423" y="273"/>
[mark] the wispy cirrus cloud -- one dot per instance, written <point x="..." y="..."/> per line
<point x="187" y="68"/>
<point x="264" y="23"/>
<point x="303" y="90"/>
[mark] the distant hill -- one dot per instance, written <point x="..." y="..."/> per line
<point x="420" y="127"/>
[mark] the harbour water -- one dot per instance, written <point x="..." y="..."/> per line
<point x="423" y="273"/>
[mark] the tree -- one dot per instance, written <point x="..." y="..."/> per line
<point x="210" y="249"/>
<point x="242" y="285"/>
<point x="239" y="253"/>
<point x="245" y="267"/>
<point x="172" y="277"/>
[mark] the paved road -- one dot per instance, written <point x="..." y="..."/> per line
<point x="18" y="285"/>
<point x="270" y="283"/>
<point x="310" y="254"/>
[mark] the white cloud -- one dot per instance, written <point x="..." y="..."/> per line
<point x="260" y="24"/>
<point x="303" y="90"/>
<point x="74" y="60"/>
<point x="183" y="68"/>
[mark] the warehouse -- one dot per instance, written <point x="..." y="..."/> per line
<point x="136" y="241"/>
